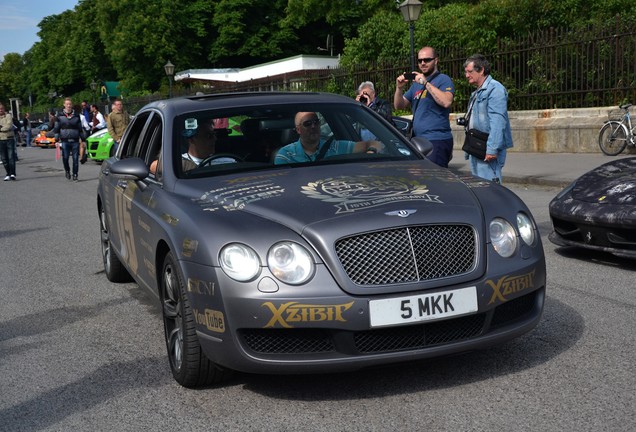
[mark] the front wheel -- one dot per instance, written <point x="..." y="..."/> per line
<point x="113" y="267"/>
<point x="612" y="139"/>
<point x="190" y="367"/>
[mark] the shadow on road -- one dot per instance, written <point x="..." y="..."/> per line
<point x="103" y="384"/>
<point x="559" y="329"/>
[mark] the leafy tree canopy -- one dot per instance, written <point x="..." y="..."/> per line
<point x="131" y="40"/>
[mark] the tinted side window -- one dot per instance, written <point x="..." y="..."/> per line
<point x="153" y="143"/>
<point x="133" y="135"/>
<point x="146" y="141"/>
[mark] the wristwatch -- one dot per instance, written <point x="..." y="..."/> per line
<point x="422" y="81"/>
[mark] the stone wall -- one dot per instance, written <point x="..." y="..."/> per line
<point x="551" y="131"/>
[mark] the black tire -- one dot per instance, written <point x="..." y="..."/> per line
<point x="190" y="367"/>
<point x="113" y="267"/>
<point x="612" y="139"/>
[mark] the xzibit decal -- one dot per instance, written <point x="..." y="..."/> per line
<point x="294" y="312"/>
<point x="508" y="285"/>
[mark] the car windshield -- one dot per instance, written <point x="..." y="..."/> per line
<point x="212" y="142"/>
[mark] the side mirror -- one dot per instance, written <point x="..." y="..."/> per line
<point x="130" y="168"/>
<point x="402" y="124"/>
<point x="422" y="145"/>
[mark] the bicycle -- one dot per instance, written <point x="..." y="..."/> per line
<point x="617" y="132"/>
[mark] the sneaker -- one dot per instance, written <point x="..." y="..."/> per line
<point x="7" y="178"/>
<point x="75" y="178"/>
<point x="12" y="176"/>
<point x="68" y="175"/>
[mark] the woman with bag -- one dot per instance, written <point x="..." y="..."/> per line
<point x="487" y="118"/>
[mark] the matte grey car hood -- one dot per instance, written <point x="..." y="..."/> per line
<point x="613" y="182"/>
<point x="299" y="197"/>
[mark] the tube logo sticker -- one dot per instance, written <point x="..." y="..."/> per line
<point x="352" y="193"/>
<point x="293" y="312"/>
<point x="213" y="320"/>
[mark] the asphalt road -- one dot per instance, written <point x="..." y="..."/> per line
<point x="80" y="353"/>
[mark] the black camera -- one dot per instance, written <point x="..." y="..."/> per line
<point x="410" y="76"/>
<point x="461" y="121"/>
<point x="363" y="100"/>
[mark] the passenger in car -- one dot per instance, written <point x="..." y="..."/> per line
<point x="310" y="147"/>
<point x="201" y="144"/>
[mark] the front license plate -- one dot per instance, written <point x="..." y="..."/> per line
<point x="425" y="307"/>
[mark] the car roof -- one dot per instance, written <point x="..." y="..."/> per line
<point x="175" y="106"/>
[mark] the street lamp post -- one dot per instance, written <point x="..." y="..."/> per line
<point x="411" y="12"/>
<point x="93" y="88"/>
<point x="169" y="67"/>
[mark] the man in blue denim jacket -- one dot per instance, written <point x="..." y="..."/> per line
<point x="488" y="112"/>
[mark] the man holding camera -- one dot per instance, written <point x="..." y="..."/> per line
<point x="431" y="94"/>
<point x="367" y="96"/>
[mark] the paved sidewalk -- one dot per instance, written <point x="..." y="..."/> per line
<point x="547" y="169"/>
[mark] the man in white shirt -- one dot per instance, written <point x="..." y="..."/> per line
<point x="98" y="121"/>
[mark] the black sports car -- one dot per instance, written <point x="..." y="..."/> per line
<point x="317" y="238"/>
<point x="598" y="210"/>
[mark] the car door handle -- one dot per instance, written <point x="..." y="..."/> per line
<point x="122" y="184"/>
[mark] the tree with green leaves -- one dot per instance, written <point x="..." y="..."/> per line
<point x="131" y="40"/>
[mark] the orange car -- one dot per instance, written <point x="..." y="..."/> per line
<point x="41" y="140"/>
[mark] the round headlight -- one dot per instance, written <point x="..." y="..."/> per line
<point x="526" y="230"/>
<point x="239" y="262"/>
<point x="290" y="263"/>
<point x="503" y="237"/>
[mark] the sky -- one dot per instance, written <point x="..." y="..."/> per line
<point x="20" y="19"/>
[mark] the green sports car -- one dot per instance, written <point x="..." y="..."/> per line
<point x="100" y="145"/>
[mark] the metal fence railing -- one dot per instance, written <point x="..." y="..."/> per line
<point x="555" y="68"/>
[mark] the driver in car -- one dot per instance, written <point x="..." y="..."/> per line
<point x="201" y="144"/>
<point x="310" y="147"/>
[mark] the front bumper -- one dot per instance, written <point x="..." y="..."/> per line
<point x="97" y="150"/>
<point x="333" y="333"/>
<point x="593" y="226"/>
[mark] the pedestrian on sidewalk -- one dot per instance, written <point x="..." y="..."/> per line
<point x="98" y="122"/>
<point x="72" y="134"/>
<point x="488" y="112"/>
<point x="117" y="121"/>
<point x="7" y="143"/>
<point x="26" y="125"/>
<point x="431" y="95"/>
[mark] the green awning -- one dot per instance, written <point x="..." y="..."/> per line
<point x="110" y="89"/>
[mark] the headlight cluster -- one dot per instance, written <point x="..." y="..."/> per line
<point x="289" y="262"/>
<point x="239" y="262"/>
<point x="504" y="236"/>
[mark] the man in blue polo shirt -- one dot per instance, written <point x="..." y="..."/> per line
<point x="431" y="96"/>
<point x="309" y="145"/>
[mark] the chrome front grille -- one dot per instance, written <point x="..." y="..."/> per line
<point x="408" y="254"/>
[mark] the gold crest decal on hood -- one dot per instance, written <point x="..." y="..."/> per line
<point x="352" y="193"/>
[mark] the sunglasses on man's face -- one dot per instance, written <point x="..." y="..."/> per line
<point x="310" y="123"/>
<point x="426" y="60"/>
